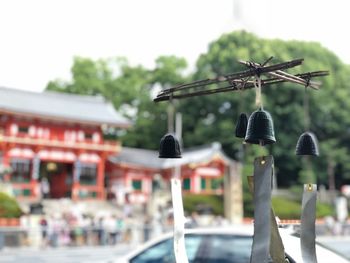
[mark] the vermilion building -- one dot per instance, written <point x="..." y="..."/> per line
<point x="55" y="141"/>
<point x="58" y="139"/>
<point x="137" y="171"/>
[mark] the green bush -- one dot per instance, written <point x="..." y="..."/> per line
<point x="323" y="210"/>
<point x="215" y="202"/>
<point x="283" y="207"/>
<point x="287" y="209"/>
<point x="9" y="207"/>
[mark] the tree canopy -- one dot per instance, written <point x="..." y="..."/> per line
<point x="213" y="118"/>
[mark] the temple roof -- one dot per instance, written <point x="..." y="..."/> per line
<point x="149" y="158"/>
<point x="61" y="106"/>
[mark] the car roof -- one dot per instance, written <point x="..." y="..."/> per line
<point x="241" y="230"/>
<point x="290" y="241"/>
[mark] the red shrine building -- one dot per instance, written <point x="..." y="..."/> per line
<point x="138" y="172"/>
<point x="53" y="145"/>
<point x="56" y="138"/>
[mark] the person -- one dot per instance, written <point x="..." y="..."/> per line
<point x="329" y="223"/>
<point x="120" y="229"/>
<point x="111" y="229"/>
<point x="85" y="224"/>
<point x="192" y="222"/>
<point x="44" y="228"/>
<point x="147" y="228"/>
<point x="45" y="187"/>
<point x="101" y="231"/>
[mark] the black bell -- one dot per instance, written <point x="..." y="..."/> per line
<point x="169" y="147"/>
<point x="307" y="145"/>
<point x="241" y="127"/>
<point x="260" y="128"/>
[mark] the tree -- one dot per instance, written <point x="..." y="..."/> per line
<point x="9" y="207"/>
<point x="213" y="117"/>
<point x="130" y="89"/>
<point x="151" y="119"/>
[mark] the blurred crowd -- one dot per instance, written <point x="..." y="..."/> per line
<point x="72" y="229"/>
<point x="80" y="229"/>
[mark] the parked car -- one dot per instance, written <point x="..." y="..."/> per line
<point x="220" y="245"/>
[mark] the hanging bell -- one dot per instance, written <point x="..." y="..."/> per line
<point x="260" y="128"/>
<point x="241" y="127"/>
<point x="307" y="145"/>
<point x="169" y="147"/>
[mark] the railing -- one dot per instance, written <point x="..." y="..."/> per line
<point x="24" y="190"/>
<point x="106" y="146"/>
<point x="9" y="222"/>
<point x="85" y="192"/>
<point x="27" y="191"/>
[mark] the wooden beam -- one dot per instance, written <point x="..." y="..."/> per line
<point x="234" y="76"/>
<point x="284" y="75"/>
<point x="236" y="87"/>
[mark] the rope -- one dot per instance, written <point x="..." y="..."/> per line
<point x="306" y="110"/>
<point x="258" y="97"/>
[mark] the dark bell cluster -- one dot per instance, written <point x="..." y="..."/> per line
<point x="258" y="129"/>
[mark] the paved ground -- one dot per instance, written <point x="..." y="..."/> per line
<point x="62" y="255"/>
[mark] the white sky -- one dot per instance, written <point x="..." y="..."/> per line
<point x="40" y="37"/>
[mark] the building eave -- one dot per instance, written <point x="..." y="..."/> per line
<point x="53" y="118"/>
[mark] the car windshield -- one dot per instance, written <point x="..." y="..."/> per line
<point x="201" y="248"/>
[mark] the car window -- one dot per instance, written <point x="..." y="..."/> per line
<point x="201" y="248"/>
<point x="163" y="251"/>
<point x="192" y="244"/>
<point x="224" y="249"/>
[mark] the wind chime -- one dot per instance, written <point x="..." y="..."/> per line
<point x="258" y="129"/>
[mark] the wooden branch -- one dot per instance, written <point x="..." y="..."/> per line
<point x="234" y="76"/>
<point x="295" y="80"/>
<point x="236" y="86"/>
<point x="284" y="75"/>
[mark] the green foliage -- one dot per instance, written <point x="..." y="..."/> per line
<point x="114" y="79"/>
<point x="215" y="202"/>
<point x="151" y="119"/>
<point x="286" y="209"/>
<point x="9" y="207"/>
<point x="130" y="90"/>
<point x="329" y="107"/>
<point x="212" y="118"/>
<point x="169" y="70"/>
<point x="289" y="209"/>
<point x="323" y="210"/>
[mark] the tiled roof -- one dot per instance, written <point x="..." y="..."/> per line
<point x="149" y="158"/>
<point x="61" y="106"/>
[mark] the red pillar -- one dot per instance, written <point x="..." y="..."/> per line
<point x="100" y="178"/>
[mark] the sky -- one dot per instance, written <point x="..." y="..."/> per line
<point x="39" y="38"/>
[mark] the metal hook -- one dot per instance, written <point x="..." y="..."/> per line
<point x="309" y="187"/>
